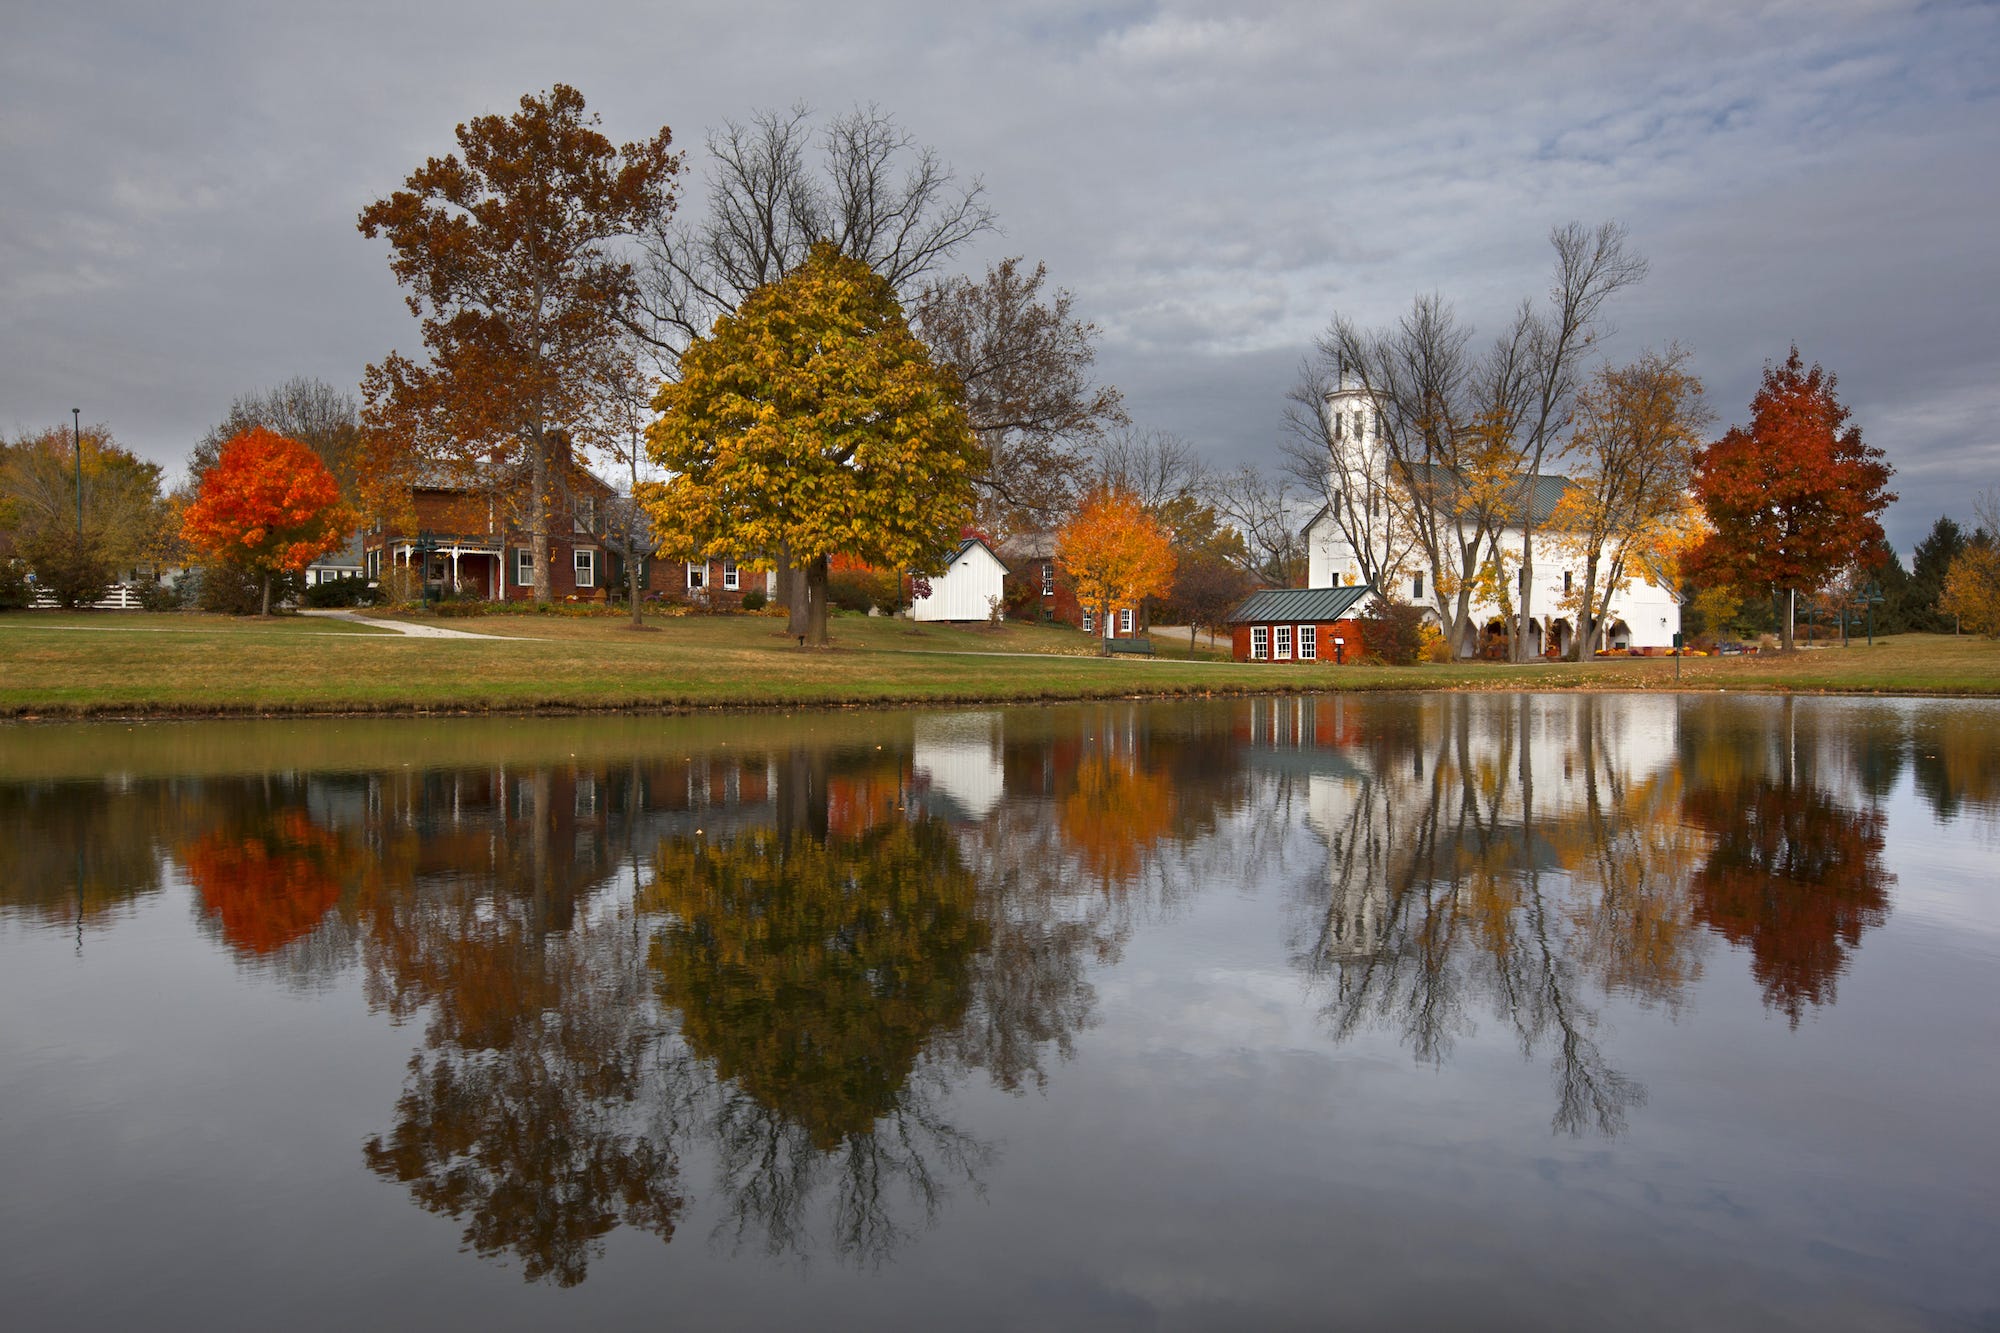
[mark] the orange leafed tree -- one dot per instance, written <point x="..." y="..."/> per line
<point x="1115" y="553"/>
<point x="1795" y="496"/>
<point x="267" y="505"/>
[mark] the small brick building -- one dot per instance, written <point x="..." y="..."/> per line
<point x="1300" y="625"/>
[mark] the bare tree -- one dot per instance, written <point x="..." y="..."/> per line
<point x="871" y="189"/>
<point x="1266" y="511"/>
<point x="1158" y="466"/>
<point x="1025" y="364"/>
<point x="1329" y="450"/>
<point x="1592" y="264"/>
<point x="1463" y="436"/>
<point x="311" y="411"/>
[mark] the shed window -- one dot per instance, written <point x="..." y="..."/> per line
<point x="1125" y="621"/>
<point x="1281" y="648"/>
<point x="1260" y="643"/>
<point x="1308" y="643"/>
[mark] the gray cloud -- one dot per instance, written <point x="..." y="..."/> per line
<point x="180" y="183"/>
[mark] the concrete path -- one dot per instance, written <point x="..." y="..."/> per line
<point x="415" y="631"/>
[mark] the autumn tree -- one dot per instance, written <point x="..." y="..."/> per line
<point x="1795" y="495"/>
<point x="1631" y="453"/>
<point x="1114" y="553"/>
<point x="512" y="258"/>
<point x="1024" y="361"/>
<point x="75" y="553"/>
<point x="1971" y="592"/>
<point x="811" y="420"/>
<point x="267" y="505"/>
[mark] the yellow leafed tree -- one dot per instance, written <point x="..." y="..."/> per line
<point x="812" y="423"/>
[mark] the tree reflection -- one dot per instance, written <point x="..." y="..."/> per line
<point x="537" y="1112"/>
<point x="812" y="963"/>
<point x="266" y="877"/>
<point x="73" y="854"/>
<point x="1795" y="875"/>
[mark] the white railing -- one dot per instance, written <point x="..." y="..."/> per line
<point x="119" y="597"/>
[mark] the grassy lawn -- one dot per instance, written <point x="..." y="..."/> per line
<point x="118" y="663"/>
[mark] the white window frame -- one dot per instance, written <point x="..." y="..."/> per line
<point x="732" y="577"/>
<point x="1125" y="621"/>
<point x="1260" y="643"/>
<point x="697" y="575"/>
<point x="585" y="517"/>
<point x="524" y="567"/>
<point x="1281" y="643"/>
<point x="1048" y="580"/>
<point x="1089" y="621"/>
<point x="1308" y="637"/>
<point x="583" y="560"/>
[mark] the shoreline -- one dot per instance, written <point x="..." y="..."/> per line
<point x="11" y="715"/>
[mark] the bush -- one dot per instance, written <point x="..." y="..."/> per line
<point x="234" y="592"/>
<point x="354" y="591"/>
<point x="1393" y="631"/>
<point x="15" y="590"/>
<point x="157" y="596"/>
<point x="399" y="586"/>
<point x="754" y="600"/>
<point x="76" y="572"/>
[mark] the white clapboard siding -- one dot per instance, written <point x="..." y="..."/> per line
<point x="966" y="590"/>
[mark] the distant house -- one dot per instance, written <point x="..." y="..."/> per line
<point x="969" y="588"/>
<point x="1299" y="625"/>
<point x="346" y="562"/>
<point x="1037" y="590"/>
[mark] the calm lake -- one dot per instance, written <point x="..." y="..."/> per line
<point x="1553" y="1011"/>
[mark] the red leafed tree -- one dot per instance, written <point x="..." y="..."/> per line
<point x="1794" y="497"/>
<point x="266" y="886"/>
<point x="267" y="505"/>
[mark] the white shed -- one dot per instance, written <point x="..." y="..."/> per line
<point x="968" y="590"/>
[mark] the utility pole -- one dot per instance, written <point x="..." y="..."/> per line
<point x="76" y="432"/>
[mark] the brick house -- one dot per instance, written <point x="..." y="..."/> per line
<point x="467" y="536"/>
<point x="1036" y="590"/>
<point x="1299" y="625"/>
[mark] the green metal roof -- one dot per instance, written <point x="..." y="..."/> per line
<point x="1299" y="605"/>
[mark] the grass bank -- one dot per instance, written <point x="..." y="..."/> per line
<point x="112" y="664"/>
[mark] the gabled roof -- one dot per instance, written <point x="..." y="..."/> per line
<point x="1277" y="605"/>
<point x="971" y="542"/>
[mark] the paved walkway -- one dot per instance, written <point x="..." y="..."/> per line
<point x="415" y="631"/>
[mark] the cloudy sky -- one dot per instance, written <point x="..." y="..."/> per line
<point x="178" y="183"/>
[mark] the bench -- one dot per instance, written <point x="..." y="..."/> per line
<point x="1132" y="647"/>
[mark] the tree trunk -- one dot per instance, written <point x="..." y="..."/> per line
<point x="1527" y="590"/>
<point x="1787" y="603"/>
<point x="793" y="593"/>
<point x="538" y="519"/>
<point x="267" y="592"/>
<point x="815" y="600"/>
<point x="632" y="583"/>
<point x="1586" y="616"/>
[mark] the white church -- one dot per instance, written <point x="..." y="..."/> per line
<point x="1643" y="616"/>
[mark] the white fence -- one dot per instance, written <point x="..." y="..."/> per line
<point x="119" y="597"/>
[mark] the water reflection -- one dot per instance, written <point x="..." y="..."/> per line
<point x="755" y="973"/>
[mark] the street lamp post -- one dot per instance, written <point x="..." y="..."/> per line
<point x="76" y="433"/>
